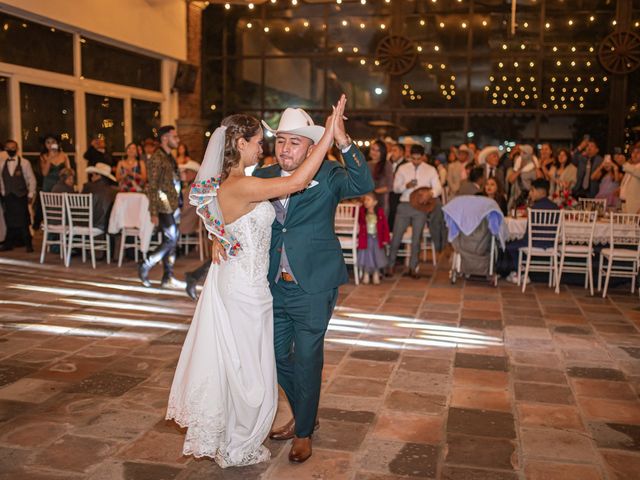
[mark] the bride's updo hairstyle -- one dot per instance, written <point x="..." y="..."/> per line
<point x="238" y="126"/>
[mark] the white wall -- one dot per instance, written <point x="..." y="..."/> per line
<point x="157" y="26"/>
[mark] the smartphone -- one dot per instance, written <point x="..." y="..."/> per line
<point x="607" y="158"/>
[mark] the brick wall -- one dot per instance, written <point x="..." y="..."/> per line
<point x="191" y="126"/>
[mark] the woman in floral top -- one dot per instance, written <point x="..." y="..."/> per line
<point x="131" y="172"/>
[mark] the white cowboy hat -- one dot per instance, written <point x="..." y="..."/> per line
<point x="464" y="149"/>
<point x="485" y="152"/>
<point x="190" y="165"/>
<point x="389" y="140"/>
<point x="297" y="122"/>
<point x="102" y="169"/>
<point x="410" y="141"/>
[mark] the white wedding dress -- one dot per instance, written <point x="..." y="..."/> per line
<point x="225" y="387"/>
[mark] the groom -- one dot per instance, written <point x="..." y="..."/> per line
<point x="306" y="265"/>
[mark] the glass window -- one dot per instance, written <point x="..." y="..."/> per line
<point x="293" y="81"/>
<point x="34" y="45"/>
<point x="45" y="111"/>
<point x="116" y="65"/>
<point x="435" y="83"/>
<point x="244" y="79"/>
<point x="442" y="131"/>
<point x="145" y="117"/>
<point x="4" y="111"/>
<point x="365" y="85"/>
<point x="105" y="118"/>
<point x="499" y="129"/>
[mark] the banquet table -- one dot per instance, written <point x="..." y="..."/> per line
<point x="131" y="210"/>
<point x="517" y="228"/>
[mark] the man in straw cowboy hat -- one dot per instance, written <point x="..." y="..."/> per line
<point x="306" y="265"/>
<point x="101" y="186"/>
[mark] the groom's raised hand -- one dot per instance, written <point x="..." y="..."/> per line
<point x="339" y="131"/>
<point x="218" y="253"/>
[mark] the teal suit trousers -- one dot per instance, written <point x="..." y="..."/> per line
<point x="300" y="323"/>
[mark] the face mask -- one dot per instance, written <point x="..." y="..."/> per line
<point x="11" y="153"/>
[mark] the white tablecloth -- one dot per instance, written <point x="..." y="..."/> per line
<point x="131" y="210"/>
<point x="517" y="228"/>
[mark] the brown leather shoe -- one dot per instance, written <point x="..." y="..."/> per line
<point x="284" y="433"/>
<point x="288" y="431"/>
<point x="300" y="449"/>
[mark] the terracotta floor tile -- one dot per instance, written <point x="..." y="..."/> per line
<point x="462" y="473"/>
<point x="535" y="470"/>
<point x="585" y="387"/>
<point x="557" y="445"/>
<point x="610" y="410"/>
<point x="480" y="378"/>
<point x="323" y="464"/>
<point x="496" y="453"/>
<point x="75" y="454"/>
<point x="475" y="398"/>
<point x="361" y="368"/>
<point x="553" y="416"/>
<point x="407" y="427"/>
<point x="415" y="402"/>
<point x="366" y="387"/>
<point x="621" y="465"/>
<point x="543" y="393"/>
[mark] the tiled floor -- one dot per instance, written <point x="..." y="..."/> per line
<point x="423" y="380"/>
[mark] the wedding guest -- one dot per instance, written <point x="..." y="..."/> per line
<point x="587" y="159"/>
<point x="101" y="186"/>
<point x="373" y="236"/>
<point x="493" y="189"/>
<point x="396" y="158"/>
<point x="18" y="188"/>
<point x="66" y="183"/>
<point x="608" y="175"/>
<point x="165" y="198"/>
<point x="456" y="171"/>
<point x="539" y="200"/>
<point x="148" y="147"/>
<point x="382" y="173"/>
<point x="489" y="158"/>
<point x="630" y="185"/>
<point x="562" y="174"/>
<point x="182" y="156"/>
<point x="97" y="153"/>
<point x="267" y="158"/>
<point x="545" y="157"/>
<point x="52" y="160"/>
<point x="189" y="220"/>
<point x="525" y="170"/>
<point x="409" y="177"/>
<point x="131" y="173"/>
<point x="474" y="184"/>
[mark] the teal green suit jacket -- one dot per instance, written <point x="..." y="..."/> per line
<point x="313" y="250"/>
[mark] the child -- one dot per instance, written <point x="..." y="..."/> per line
<point x="372" y="237"/>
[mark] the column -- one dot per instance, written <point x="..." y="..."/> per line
<point x="191" y="125"/>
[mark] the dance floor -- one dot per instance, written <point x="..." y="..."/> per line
<point x="422" y="380"/>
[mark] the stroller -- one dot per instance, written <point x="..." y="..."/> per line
<point x="474" y="224"/>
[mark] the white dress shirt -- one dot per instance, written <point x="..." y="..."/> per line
<point x="425" y="174"/>
<point x="27" y="172"/>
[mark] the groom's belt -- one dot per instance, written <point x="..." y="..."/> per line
<point x="287" y="277"/>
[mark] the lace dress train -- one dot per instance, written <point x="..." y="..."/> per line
<point x="225" y="387"/>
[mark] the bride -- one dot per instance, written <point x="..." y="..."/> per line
<point x="225" y="387"/>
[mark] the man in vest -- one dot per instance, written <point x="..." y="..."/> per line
<point x="18" y="185"/>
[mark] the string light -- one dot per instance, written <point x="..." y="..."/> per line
<point x="227" y="6"/>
